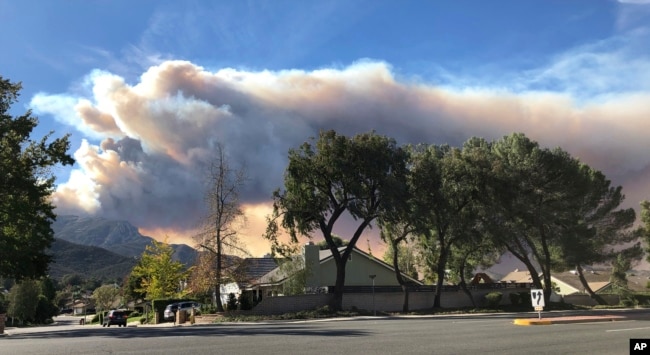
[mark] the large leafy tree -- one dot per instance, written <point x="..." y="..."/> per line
<point x="359" y="176"/>
<point x="26" y="182"/>
<point x="537" y="196"/>
<point x="225" y="218"/>
<point x="23" y="300"/>
<point x="160" y="275"/>
<point x="603" y="232"/>
<point x="447" y="183"/>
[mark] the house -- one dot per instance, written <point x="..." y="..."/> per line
<point x="83" y="307"/>
<point x="569" y="282"/>
<point x="318" y="270"/>
<point x="247" y="272"/>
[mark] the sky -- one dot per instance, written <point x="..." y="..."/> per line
<point x="148" y="88"/>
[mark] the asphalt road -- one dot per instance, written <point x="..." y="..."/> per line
<point x="467" y="334"/>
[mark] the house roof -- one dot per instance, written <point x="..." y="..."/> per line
<point x="278" y="274"/>
<point x="597" y="280"/>
<point x="517" y="276"/>
<point x="251" y="269"/>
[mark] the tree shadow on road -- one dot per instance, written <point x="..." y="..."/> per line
<point x="225" y="330"/>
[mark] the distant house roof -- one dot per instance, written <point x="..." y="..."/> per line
<point x="597" y="280"/>
<point x="481" y="277"/>
<point x="251" y="269"/>
<point x="517" y="277"/>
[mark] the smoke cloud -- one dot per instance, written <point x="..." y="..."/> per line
<point x="148" y="144"/>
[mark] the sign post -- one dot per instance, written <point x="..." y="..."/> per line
<point x="537" y="299"/>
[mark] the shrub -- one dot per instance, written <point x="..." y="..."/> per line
<point x="245" y="302"/>
<point x="525" y="299"/>
<point x="493" y="299"/>
<point x="515" y="298"/>
<point x="208" y="308"/>
<point x="232" y="302"/>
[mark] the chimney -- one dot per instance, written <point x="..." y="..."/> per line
<point x="312" y="265"/>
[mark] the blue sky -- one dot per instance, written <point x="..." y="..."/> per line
<point x="146" y="87"/>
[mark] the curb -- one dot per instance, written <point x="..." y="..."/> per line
<point x="532" y="322"/>
<point x="568" y="320"/>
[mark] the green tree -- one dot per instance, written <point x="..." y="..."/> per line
<point x="603" y="231"/>
<point x="23" y="300"/>
<point x="225" y="218"/>
<point x="359" y="176"/>
<point x="26" y="182"/>
<point x="537" y="195"/>
<point x="447" y="183"/>
<point x="133" y="287"/>
<point x="104" y="297"/>
<point x="338" y="241"/>
<point x="48" y="288"/>
<point x="297" y="274"/>
<point x="644" y="229"/>
<point x="407" y="254"/>
<point x="161" y="276"/>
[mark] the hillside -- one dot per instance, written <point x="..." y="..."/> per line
<point x="88" y="261"/>
<point x="119" y="237"/>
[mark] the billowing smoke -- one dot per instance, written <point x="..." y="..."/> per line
<point x="154" y="139"/>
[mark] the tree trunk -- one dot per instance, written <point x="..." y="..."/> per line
<point x="463" y="283"/>
<point x="217" y="287"/>
<point x="405" y="305"/>
<point x="398" y="275"/>
<point x="584" y="283"/>
<point x="442" y="262"/>
<point x="337" y="301"/>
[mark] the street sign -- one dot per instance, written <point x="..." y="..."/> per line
<point x="537" y="298"/>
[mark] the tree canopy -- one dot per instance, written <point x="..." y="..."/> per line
<point x="360" y="176"/>
<point x="26" y="182"/>
<point x="160" y="276"/>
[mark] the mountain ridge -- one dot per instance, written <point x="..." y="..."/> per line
<point x="119" y="237"/>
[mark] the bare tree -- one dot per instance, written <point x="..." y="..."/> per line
<point x="224" y="219"/>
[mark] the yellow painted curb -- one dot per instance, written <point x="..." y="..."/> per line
<point x="532" y="322"/>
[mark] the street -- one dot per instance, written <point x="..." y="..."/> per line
<point x="463" y="334"/>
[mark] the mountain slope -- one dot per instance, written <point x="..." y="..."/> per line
<point x="119" y="237"/>
<point x="88" y="261"/>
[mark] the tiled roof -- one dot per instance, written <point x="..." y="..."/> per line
<point x="253" y="268"/>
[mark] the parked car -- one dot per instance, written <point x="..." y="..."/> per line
<point x="115" y="317"/>
<point x="171" y="309"/>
